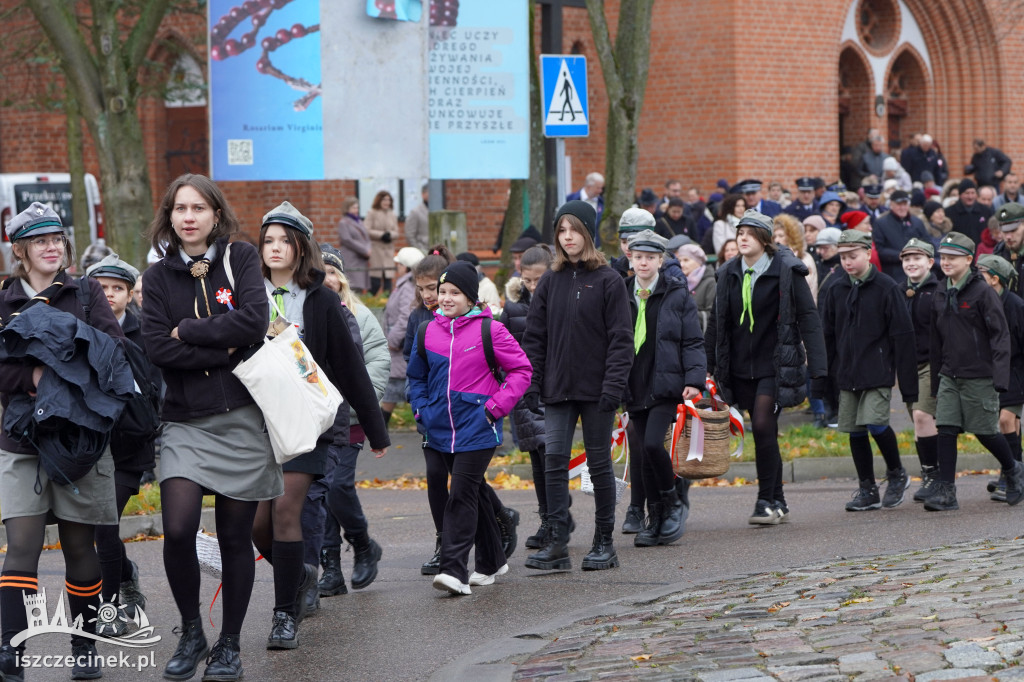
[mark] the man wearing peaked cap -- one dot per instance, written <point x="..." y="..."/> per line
<point x="804" y="205"/>
<point x="892" y="230"/>
<point x="751" y="191"/>
<point x="871" y="201"/>
<point x="1011" y="223"/>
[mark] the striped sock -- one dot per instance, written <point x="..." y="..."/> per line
<point x="14" y="585"/>
<point x="82" y="596"/>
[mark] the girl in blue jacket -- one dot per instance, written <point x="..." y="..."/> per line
<point x="460" y="404"/>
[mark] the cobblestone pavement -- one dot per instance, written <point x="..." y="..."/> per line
<point x="949" y="613"/>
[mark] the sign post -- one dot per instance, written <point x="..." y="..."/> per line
<point x="566" y="111"/>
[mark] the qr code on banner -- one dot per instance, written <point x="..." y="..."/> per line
<point x="239" y="152"/>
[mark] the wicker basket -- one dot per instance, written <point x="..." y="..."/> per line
<point x="715" y="460"/>
<point x="208" y="552"/>
<point x="587" y="485"/>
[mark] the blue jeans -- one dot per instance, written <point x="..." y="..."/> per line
<point x="559" y="424"/>
<point x="332" y="503"/>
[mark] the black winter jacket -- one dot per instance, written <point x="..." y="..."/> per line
<point x="920" y="307"/>
<point x="578" y="335"/>
<point x="970" y="339"/>
<point x="969" y="221"/>
<point x="527" y="427"/>
<point x="672" y="357"/>
<point x="197" y="366"/>
<point x="869" y="335"/>
<point x="782" y="299"/>
<point x="1013" y="308"/>
<point x="890" y="235"/>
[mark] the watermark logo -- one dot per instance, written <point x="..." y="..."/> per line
<point x="141" y="632"/>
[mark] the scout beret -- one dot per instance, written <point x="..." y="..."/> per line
<point x="35" y="220"/>
<point x="754" y="218"/>
<point x="1010" y="216"/>
<point x="647" y="240"/>
<point x="289" y="216"/>
<point x="113" y="266"/>
<point x="635" y="220"/>
<point x="956" y="244"/>
<point x="850" y="240"/>
<point x="916" y="245"/>
<point x="998" y="266"/>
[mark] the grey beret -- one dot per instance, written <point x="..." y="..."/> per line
<point x="35" y="220"/>
<point x="288" y="215"/>
<point x="113" y="266"/>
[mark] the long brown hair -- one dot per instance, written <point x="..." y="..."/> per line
<point x="308" y="258"/>
<point x="591" y="258"/>
<point x="162" y="235"/>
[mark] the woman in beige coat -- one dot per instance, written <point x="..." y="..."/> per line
<point x="382" y="224"/>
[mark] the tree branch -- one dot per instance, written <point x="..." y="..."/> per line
<point x="77" y="61"/>
<point x="143" y="33"/>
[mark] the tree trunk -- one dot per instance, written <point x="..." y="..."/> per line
<point x="513" y="226"/>
<point x="76" y="167"/>
<point x="625" y="76"/>
<point x="537" y="184"/>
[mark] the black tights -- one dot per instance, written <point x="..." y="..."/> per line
<point x="182" y="506"/>
<point x="113" y="558"/>
<point x="277" y="534"/>
<point x="25" y="544"/>
<point x="757" y="397"/>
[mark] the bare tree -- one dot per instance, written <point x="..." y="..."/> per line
<point x="102" y="46"/>
<point x="624" y="67"/>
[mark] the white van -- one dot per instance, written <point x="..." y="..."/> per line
<point x="19" y="190"/>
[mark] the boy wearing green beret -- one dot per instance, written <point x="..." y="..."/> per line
<point x="1000" y="275"/>
<point x="970" y="364"/>
<point x="920" y="288"/>
<point x="1010" y="217"/>
<point x="869" y="340"/>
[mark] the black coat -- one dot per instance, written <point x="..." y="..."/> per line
<point x="984" y="165"/>
<point x="527" y="427"/>
<point x="1017" y="260"/>
<point x="1013" y="308"/>
<point x="578" y="335"/>
<point x="788" y="347"/>
<point x="969" y="221"/>
<point x="890" y="235"/>
<point x="970" y="339"/>
<point x="672" y="357"/>
<point x="134" y="456"/>
<point x="869" y="335"/>
<point x="916" y="161"/>
<point x="920" y="308"/>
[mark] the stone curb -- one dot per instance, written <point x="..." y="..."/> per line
<point x="131" y="526"/>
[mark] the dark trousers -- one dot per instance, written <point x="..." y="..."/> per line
<point x="469" y="519"/>
<point x="559" y="424"/>
<point x="648" y="446"/>
<point x="332" y="503"/>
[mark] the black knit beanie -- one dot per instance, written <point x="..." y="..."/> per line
<point x="582" y="210"/>
<point x="463" y="275"/>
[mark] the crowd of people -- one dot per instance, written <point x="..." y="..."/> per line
<point x="821" y="292"/>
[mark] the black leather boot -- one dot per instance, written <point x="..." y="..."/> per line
<point x="284" y="632"/>
<point x="673" y="516"/>
<point x="555" y="555"/>
<point x="540" y="538"/>
<point x="224" y="663"/>
<point x="332" y="582"/>
<point x="10" y="670"/>
<point x="508" y="520"/>
<point x="192" y="648"/>
<point x="367" y="554"/>
<point x="308" y="594"/>
<point x="433" y="565"/>
<point x="602" y="555"/>
<point x="648" y="537"/>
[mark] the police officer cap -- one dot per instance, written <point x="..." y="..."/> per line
<point x="648" y="240"/>
<point x="289" y="216"/>
<point x="873" y="191"/>
<point x="851" y="240"/>
<point x="1010" y="216"/>
<point x="805" y="184"/>
<point x="837" y="187"/>
<point x="35" y="220"/>
<point x="754" y="218"/>
<point x="113" y="266"/>
<point x="956" y="244"/>
<point x="921" y="246"/>
<point x="746" y="186"/>
<point x="635" y="220"/>
<point x="998" y="266"/>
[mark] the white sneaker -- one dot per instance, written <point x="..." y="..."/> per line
<point x="478" y="579"/>
<point x="451" y="584"/>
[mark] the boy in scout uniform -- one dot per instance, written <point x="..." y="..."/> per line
<point x="869" y="338"/>
<point x="970" y="364"/>
<point x="920" y="287"/>
<point x="1011" y="223"/>
<point x="999" y="274"/>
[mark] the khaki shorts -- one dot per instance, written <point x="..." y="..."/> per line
<point x="95" y="503"/>
<point x="970" y="404"/>
<point x="925" y="402"/>
<point x="857" y="409"/>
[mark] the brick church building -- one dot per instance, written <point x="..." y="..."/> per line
<point x="737" y="88"/>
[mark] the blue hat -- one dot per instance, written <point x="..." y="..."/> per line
<point x="832" y="196"/>
<point x="873" y="191"/>
<point x="35" y="220"/>
<point x="746" y="186"/>
<point x="805" y="184"/>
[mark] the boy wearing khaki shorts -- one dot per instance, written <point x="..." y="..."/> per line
<point x="970" y="364"/>
<point x="920" y="288"/>
<point x="869" y="338"/>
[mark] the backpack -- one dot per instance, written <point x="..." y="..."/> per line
<point x="485" y="334"/>
<point x="140" y="419"/>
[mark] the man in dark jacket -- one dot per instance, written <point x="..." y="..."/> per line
<point x="968" y="215"/>
<point x="868" y="334"/>
<point x="921" y="157"/>
<point x="988" y="165"/>
<point x="970" y="364"/>
<point x="893" y="230"/>
<point x="804" y="205"/>
<point x="751" y="191"/>
<point x="1011" y="224"/>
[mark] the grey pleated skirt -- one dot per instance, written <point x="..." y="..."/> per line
<point x="227" y="454"/>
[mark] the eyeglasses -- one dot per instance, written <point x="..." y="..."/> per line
<point x="47" y="241"/>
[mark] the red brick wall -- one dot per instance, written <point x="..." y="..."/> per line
<point x="737" y="88"/>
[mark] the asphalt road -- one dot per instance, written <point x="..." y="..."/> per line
<point x="400" y="628"/>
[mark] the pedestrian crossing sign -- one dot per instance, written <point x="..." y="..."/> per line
<point x="563" y="83"/>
